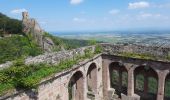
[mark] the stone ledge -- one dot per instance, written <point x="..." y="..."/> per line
<point x="134" y="97"/>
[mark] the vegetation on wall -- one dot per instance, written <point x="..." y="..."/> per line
<point x="136" y="55"/>
<point x="26" y="77"/>
<point x="146" y="56"/>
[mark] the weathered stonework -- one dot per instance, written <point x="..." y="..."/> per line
<point x="56" y="87"/>
<point x="56" y="57"/>
<point x="159" y="53"/>
<point x="95" y="72"/>
<point x="31" y="27"/>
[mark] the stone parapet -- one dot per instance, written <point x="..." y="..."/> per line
<point x="159" y="53"/>
<point x="56" y="57"/>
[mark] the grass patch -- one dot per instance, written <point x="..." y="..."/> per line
<point x="16" y="46"/>
<point x="136" y="55"/>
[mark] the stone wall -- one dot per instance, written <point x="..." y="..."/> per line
<point x="159" y="52"/>
<point x="56" y="87"/>
<point x="52" y="58"/>
<point x="56" y="57"/>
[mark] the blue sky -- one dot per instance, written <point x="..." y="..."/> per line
<point x="92" y="15"/>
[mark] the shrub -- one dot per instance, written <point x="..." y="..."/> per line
<point x="14" y="47"/>
<point x="98" y="49"/>
<point x="27" y="77"/>
<point x="92" y="42"/>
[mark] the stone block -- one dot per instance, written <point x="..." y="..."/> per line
<point x="134" y="97"/>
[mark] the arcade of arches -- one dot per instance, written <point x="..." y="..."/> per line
<point x="132" y="79"/>
<point x="76" y="83"/>
<point x="126" y="80"/>
<point x="106" y="77"/>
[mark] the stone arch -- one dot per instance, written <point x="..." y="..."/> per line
<point x="76" y="86"/>
<point x="92" y="78"/>
<point x="118" y="77"/>
<point x="167" y="88"/>
<point x="146" y="82"/>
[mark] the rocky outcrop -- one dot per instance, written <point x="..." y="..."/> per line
<point x="31" y="27"/>
<point x="5" y="65"/>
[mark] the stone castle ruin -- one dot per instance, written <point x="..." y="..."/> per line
<point x="106" y="76"/>
<point x="31" y="27"/>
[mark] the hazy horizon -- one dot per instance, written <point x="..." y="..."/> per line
<point x="93" y="15"/>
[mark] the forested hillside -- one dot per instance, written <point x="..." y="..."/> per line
<point x="9" y="25"/>
<point x="68" y="43"/>
<point x="17" y="47"/>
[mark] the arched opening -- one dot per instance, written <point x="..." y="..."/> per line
<point x="92" y="81"/>
<point x="118" y="78"/>
<point x="146" y="83"/>
<point x="75" y="87"/>
<point x="167" y="88"/>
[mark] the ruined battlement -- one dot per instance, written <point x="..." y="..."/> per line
<point x="103" y="77"/>
<point x="31" y="27"/>
<point x="159" y="53"/>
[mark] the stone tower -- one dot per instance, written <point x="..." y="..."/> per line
<point x="25" y="16"/>
<point x="31" y="27"/>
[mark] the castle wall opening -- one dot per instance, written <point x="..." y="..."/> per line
<point x="118" y="78"/>
<point x="146" y="83"/>
<point x="167" y="89"/>
<point x="92" y="78"/>
<point x="75" y="87"/>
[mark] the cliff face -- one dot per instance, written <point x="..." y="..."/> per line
<point x="31" y="27"/>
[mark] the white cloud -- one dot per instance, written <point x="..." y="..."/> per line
<point x="114" y="11"/>
<point x="76" y="2"/>
<point x="142" y="16"/>
<point x="76" y="19"/>
<point x="162" y="5"/>
<point x="145" y="15"/>
<point x="141" y="4"/>
<point x="18" y="11"/>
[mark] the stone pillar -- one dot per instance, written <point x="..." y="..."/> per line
<point x="106" y="78"/>
<point x="131" y="95"/>
<point x="131" y="81"/>
<point x="85" y="87"/>
<point x="161" y="84"/>
<point x="74" y="91"/>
